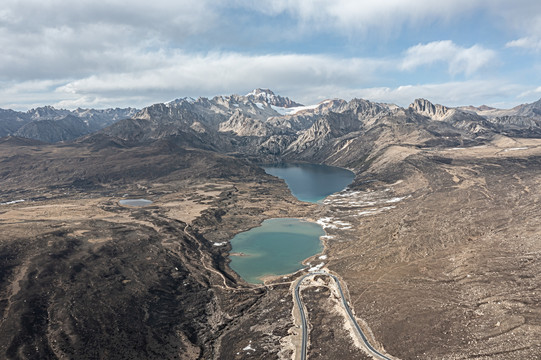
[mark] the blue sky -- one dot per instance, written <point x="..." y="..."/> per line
<point x="135" y="53"/>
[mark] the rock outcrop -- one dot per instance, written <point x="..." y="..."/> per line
<point x="426" y="108"/>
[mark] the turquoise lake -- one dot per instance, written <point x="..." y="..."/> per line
<point x="135" y="202"/>
<point x="311" y="182"/>
<point x="277" y="247"/>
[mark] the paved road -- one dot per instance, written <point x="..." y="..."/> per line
<point x="304" y="325"/>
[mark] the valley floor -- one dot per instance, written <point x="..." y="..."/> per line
<point x="439" y="249"/>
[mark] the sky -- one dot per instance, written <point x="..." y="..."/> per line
<point x="107" y="53"/>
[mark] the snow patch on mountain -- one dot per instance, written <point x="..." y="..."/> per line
<point x="270" y="98"/>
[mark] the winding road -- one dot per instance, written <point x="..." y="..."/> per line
<point x="304" y="324"/>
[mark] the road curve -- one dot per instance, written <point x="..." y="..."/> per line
<point x="304" y="325"/>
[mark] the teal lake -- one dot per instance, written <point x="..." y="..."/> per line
<point x="277" y="247"/>
<point x="311" y="182"/>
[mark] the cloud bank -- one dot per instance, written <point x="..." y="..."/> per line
<point x="98" y="54"/>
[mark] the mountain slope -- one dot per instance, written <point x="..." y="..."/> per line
<point x="58" y="124"/>
<point x="66" y="128"/>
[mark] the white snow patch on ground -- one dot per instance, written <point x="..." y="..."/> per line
<point x="347" y="194"/>
<point x="354" y="204"/>
<point x="323" y="257"/>
<point x="330" y="223"/>
<point x="260" y="105"/>
<point x="249" y="347"/>
<point x="515" y="149"/>
<point x="374" y="211"/>
<point x="348" y="206"/>
<point x="357" y="199"/>
<point x="324" y="222"/>
<point x="12" y="202"/>
<point x="281" y="110"/>
<point x="295" y="110"/>
<point x="220" y="243"/>
<point x="317" y="267"/>
<point x="396" y="199"/>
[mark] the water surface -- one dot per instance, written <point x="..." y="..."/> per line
<point x="135" y="202"/>
<point x="311" y="182"/>
<point x="277" y="247"/>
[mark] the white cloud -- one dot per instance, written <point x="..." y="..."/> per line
<point x="215" y="73"/>
<point x="163" y="75"/>
<point x="29" y="94"/>
<point x="473" y="92"/>
<point x="530" y="93"/>
<point x="109" y="53"/>
<point x="529" y="42"/>
<point x="523" y="16"/>
<point x="161" y="16"/>
<point x="363" y="15"/>
<point x="391" y="15"/>
<point x="305" y="78"/>
<point x="58" y="38"/>
<point x="459" y="59"/>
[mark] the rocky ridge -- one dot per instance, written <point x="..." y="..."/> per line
<point x="269" y="97"/>
<point x="435" y="112"/>
<point x="252" y="126"/>
<point x="53" y="125"/>
<point x="272" y="127"/>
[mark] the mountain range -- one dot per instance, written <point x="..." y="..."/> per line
<point x="52" y="125"/>
<point x="270" y="128"/>
<point x="266" y="124"/>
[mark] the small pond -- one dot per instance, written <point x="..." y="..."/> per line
<point x="135" y="202"/>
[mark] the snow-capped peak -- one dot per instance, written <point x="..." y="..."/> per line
<point x="187" y="99"/>
<point x="269" y="97"/>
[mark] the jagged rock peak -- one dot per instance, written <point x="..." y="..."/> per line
<point x="271" y="98"/>
<point x="46" y="112"/>
<point x="486" y="108"/>
<point x="530" y="110"/>
<point x="426" y="108"/>
<point x="179" y="101"/>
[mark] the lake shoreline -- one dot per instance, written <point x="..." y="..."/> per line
<point x="323" y="180"/>
<point x="311" y="182"/>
